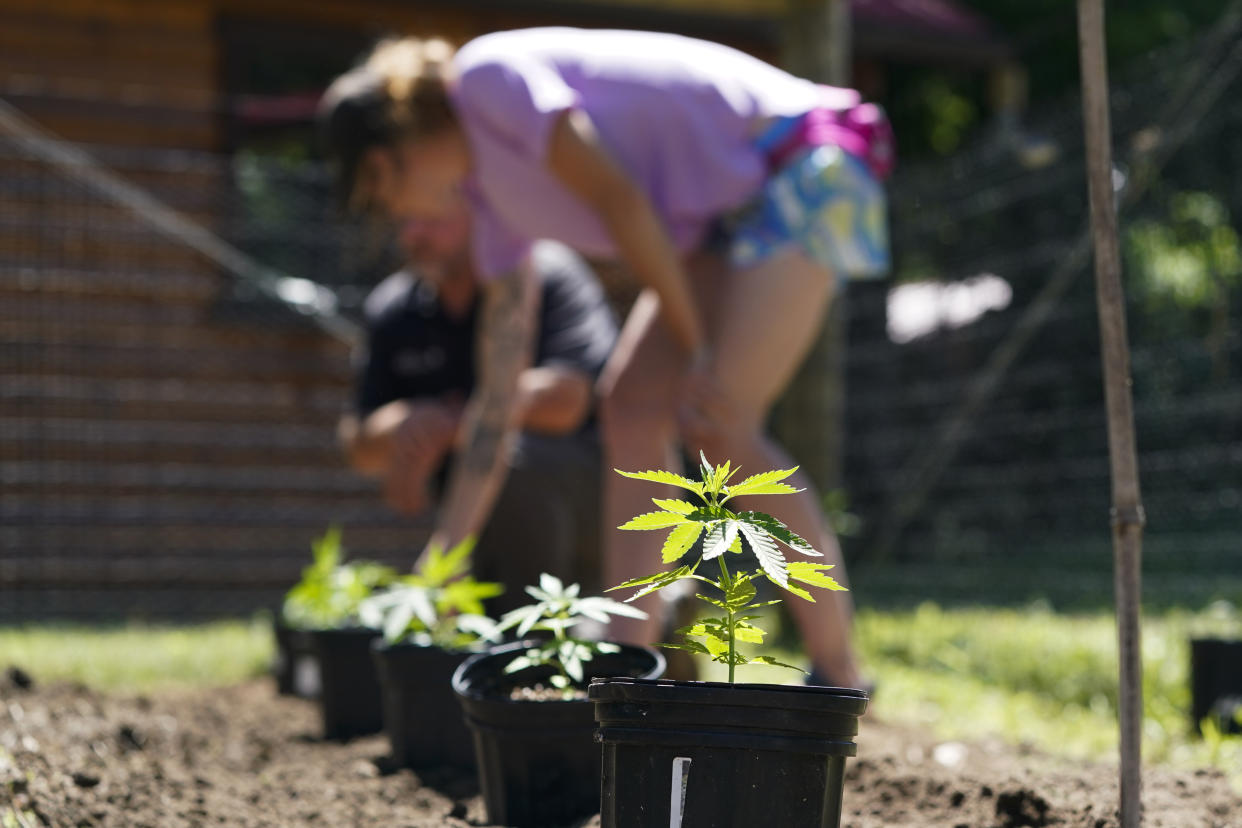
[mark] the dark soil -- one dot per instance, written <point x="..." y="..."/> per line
<point x="242" y="756"/>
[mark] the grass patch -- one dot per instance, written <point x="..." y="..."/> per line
<point x="1035" y="676"/>
<point x="1023" y="675"/>
<point x="140" y="657"/>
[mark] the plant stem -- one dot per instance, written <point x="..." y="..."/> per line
<point x="727" y="581"/>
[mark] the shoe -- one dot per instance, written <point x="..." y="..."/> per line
<point x="817" y="679"/>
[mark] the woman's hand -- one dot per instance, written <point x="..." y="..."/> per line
<point x="705" y="411"/>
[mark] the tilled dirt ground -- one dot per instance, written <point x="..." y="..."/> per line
<point x="243" y="756"/>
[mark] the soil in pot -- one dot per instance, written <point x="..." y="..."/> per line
<point x="349" y="695"/>
<point x="293" y="665"/>
<point x="1216" y="682"/>
<point x="538" y="762"/>
<point x="712" y="755"/>
<point x="421" y="715"/>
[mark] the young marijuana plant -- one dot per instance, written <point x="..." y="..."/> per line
<point x="725" y="531"/>
<point x="330" y="591"/>
<point x="557" y="608"/>
<point x="439" y="605"/>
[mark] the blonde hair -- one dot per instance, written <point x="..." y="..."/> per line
<point x="414" y="72"/>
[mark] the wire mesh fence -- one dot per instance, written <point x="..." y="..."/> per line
<point x="168" y="410"/>
<point x="977" y="456"/>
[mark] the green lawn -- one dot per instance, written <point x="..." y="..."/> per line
<point x="140" y="657"/>
<point x="1026" y="675"/>
<point x="1034" y="676"/>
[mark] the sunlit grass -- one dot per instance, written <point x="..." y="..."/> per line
<point x="139" y="657"/>
<point x="1034" y="676"/>
<point x="1022" y="675"/>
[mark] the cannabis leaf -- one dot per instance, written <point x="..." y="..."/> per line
<point x="557" y="609"/>
<point x="725" y="533"/>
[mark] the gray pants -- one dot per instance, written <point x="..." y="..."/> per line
<point x="546" y="519"/>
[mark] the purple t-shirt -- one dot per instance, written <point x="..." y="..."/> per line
<point x="679" y="115"/>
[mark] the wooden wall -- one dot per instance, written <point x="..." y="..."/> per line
<point x="159" y="455"/>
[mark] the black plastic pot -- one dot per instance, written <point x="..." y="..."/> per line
<point x="691" y="754"/>
<point x="538" y="761"/>
<point x="421" y="715"/>
<point x="294" y="666"/>
<point x="349" y="693"/>
<point x="1216" y="682"/>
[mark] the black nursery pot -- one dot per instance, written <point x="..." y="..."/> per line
<point x="538" y="761"/>
<point x="349" y="693"/>
<point x="694" y="754"/>
<point x="294" y="666"/>
<point x="421" y="715"/>
<point x="1216" y="682"/>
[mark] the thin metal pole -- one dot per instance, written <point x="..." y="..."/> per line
<point x="1127" y="511"/>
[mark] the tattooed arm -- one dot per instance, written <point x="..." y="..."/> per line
<point x="506" y="335"/>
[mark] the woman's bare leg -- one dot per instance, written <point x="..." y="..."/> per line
<point x="639" y="392"/>
<point x="762" y="322"/>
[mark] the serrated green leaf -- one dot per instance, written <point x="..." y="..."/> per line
<point x="680" y="540"/>
<point x="813" y="574"/>
<point x="689" y="647"/>
<point x="398" y="621"/>
<point x="716" y="647"/>
<point x="633" y="582"/>
<point x="665" y="477"/>
<point x="681" y="507"/>
<point x="739" y="593"/>
<point x="773" y="662"/>
<point x="653" y="520"/>
<point x="764" y="483"/>
<point x="748" y="634"/>
<point x="715" y="602"/>
<point x="767" y="552"/>
<point x="719" y="538"/>
<point x="800" y="592"/>
<point x="600" y="609"/>
<point x="551" y="585"/>
<point x="519" y="663"/>
<point x="780" y="531"/>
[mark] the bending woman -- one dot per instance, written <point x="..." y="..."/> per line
<point x="738" y="196"/>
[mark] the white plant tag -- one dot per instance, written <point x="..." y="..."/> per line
<point x="306" y="676"/>
<point x="677" y="801"/>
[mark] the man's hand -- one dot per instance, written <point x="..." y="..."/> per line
<point x="399" y="433"/>
<point x="406" y="488"/>
<point x="426" y="434"/>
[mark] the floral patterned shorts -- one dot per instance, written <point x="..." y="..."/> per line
<point x="822" y="198"/>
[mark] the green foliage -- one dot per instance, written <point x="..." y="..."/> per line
<point x="1044" y="678"/>
<point x="1191" y="256"/>
<point x="330" y="592"/>
<point x="439" y="605"/>
<point x="556" y="610"/>
<point x="725" y="532"/>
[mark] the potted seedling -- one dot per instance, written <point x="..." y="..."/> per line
<point x="699" y="754"/>
<point x="325" y="604"/>
<point x="526" y="704"/>
<point x="431" y="620"/>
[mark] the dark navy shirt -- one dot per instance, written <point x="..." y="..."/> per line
<point x="414" y="349"/>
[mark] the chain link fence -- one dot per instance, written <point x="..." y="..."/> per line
<point x="977" y="459"/>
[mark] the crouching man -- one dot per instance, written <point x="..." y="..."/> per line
<point x="416" y="379"/>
